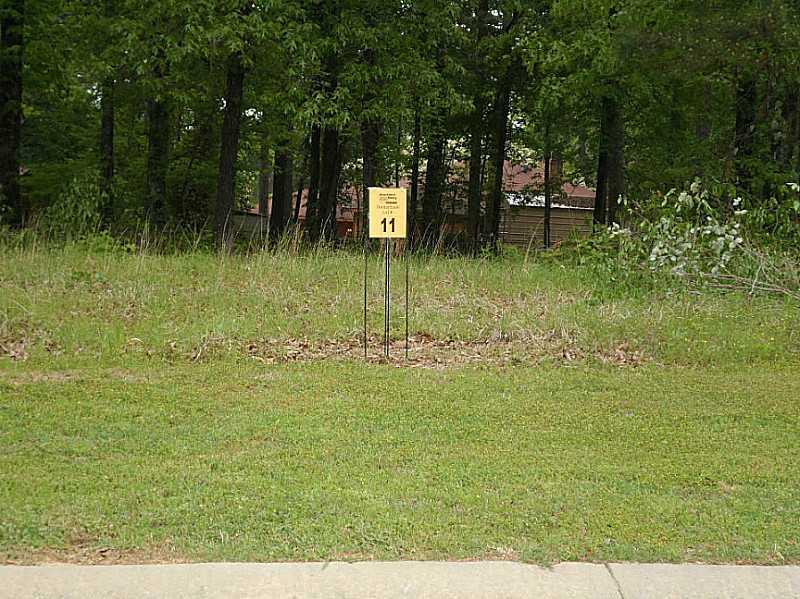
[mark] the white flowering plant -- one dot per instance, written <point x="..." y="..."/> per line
<point x="694" y="233"/>
<point x="702" y="235"/>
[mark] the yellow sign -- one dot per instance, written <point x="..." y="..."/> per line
<point x="387" y="212"/>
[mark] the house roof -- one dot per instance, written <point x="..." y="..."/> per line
<point x="537" y="201"/>
<point x="522" y="184"/>
<point x="528" y="181"/>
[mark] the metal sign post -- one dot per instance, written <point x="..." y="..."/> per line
<point x="387" y="220"/>
<point x="366" y="264"/>
<point x="386" y="296"/>
<point x="407" y="257"/>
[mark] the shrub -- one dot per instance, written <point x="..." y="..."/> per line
<point x="701" y="237"/>
<point x="693" y="234"/>
<point x="77" y="213"/>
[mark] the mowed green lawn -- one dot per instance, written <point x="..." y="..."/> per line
<point x="163" y="409"/>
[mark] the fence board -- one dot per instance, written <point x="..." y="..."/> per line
<point x="523" y="226"/>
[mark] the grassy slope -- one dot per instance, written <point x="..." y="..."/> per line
<point x="118" y="440"/>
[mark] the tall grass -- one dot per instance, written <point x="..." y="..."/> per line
<point x="99" y="299"/>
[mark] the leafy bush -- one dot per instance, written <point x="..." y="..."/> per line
<point x="77" y="213"/>
<point x="693" y="234"/>
<point x="700" y="236"/>
<point x="777" y="219"/>
<point x="680" y="233"/>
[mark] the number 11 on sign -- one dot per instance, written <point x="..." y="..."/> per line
<point x="387" y="225"/>
<point x="387" y="220"/>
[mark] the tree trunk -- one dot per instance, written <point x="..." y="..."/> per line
<point x="107" y="91"/>
<point x="703" y="133"/>
<point x="324" y="220"/>
<point x="397" y="156"/>
<point x="414" y="199"/>
<point x="556" y="172"/>
<point x="475" y="187"/>
<point x="312" y="205"/>
<point x="434" y="188"/>
<point x="616" y="159"/>
<point x="794" y="159"/>
<point x="744" y="132"/>
<point x="195" y="201"/>
<point x="610" y="162"/>
<point x="265" y="177"/>
<point x="12" y="206"/>
<point x="370" y="135"/>
<point x="502" y="106"/>
<point x="281" y="193"/>
<point x="601" y="192"/>
<point x="548" y="196"/>
<point x="158" y="137"/>
<point x="229" y="148"/>
<point x="301" y="181"/>
<point x="325" y="223"/>
<point x="107" y="146"/>
<point x="791" y="144"/>
<point x="298" y="202"/>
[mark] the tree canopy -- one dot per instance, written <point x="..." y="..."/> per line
<point x="181" y="113"/>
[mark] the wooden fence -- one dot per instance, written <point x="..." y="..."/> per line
<point x="523" y="226"/>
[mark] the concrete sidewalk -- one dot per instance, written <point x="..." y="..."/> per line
<point x="395" y="580"/>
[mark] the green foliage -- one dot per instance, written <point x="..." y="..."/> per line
<point x="696" y="237"/>
<point x="693" y="233"/>
<point x="679" y="72"/>
<point x="77" y="213"/>
<point x="776" y="220"/>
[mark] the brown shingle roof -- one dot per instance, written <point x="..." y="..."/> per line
<point x="525" y="179"/>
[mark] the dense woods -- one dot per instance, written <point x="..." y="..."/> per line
<point x="180" y="113"/>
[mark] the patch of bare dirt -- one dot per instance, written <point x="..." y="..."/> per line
<point x="38" y="376"/>
<point x="67" y="376"/>
<point x="83" y="547"/>
<point x="424" y="351"/>
<point x="506" y="554"/>
<point x="93" y="555"/>
<point x="14" y="349"/>
<point x="353" y="556"/>
<point x="622" y="355"/>
<point x="15" y="343"/>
